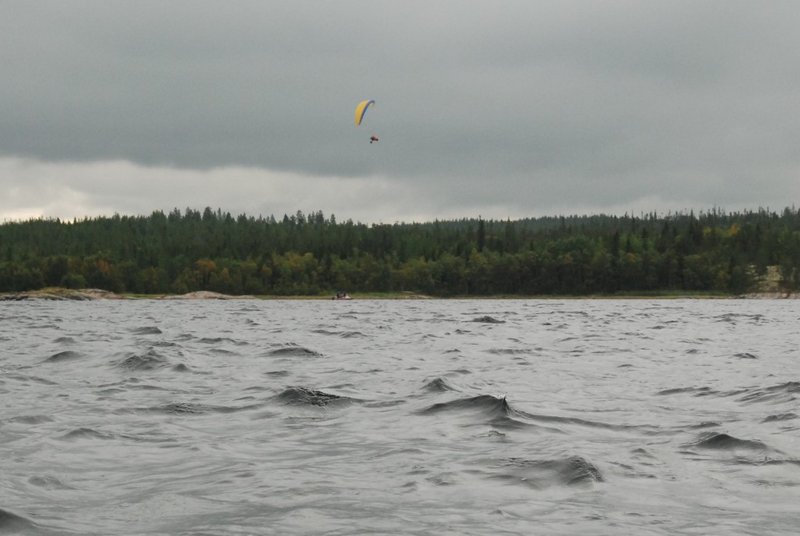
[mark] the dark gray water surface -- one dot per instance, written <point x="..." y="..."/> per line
<point x="400" y="417"/>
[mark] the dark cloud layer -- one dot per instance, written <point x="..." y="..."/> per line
<point x="532" y="106"/>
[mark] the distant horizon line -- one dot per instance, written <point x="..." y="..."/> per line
<point x="219" y="212"/>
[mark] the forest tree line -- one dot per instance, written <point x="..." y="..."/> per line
<point x="310" y="254"/>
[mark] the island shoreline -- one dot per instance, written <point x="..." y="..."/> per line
<point x="90" y="294"/>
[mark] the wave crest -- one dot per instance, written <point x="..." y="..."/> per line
<point x="310" y="397"/>
<point x="569" y="471"/>
<point x="724" y="441"/>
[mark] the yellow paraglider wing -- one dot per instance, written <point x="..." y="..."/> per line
<point x="361" y="109"/>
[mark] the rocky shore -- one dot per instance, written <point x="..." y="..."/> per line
<point x="85" y="294"/>
<point x="772" y="296"/>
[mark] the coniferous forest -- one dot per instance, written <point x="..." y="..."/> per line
<point x="311" y="254"/>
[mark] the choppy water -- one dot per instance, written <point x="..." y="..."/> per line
<point x="395" y="417"/>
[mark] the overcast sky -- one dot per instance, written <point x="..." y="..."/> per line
<point x="501" y="109"/>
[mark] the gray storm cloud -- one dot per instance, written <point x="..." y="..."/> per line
<point x="522" y="107"/>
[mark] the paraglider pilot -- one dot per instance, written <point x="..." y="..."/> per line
<point x="361" y="109"/>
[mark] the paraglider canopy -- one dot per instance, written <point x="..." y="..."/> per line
<point x="361" y="109"/>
